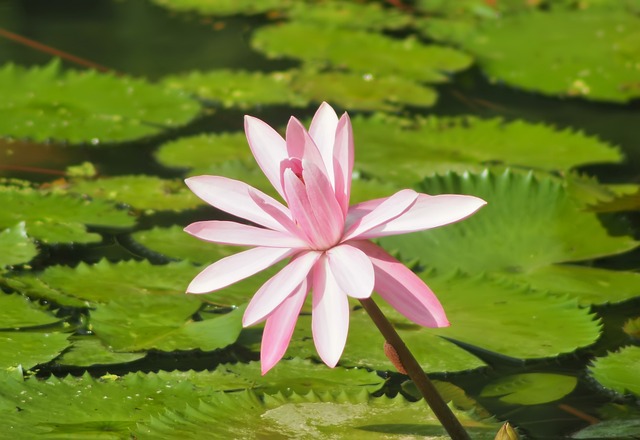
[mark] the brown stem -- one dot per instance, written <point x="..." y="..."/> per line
<point x="53" y="51"/>
<point x="415" y="372"/>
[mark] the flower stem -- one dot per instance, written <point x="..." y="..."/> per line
<point x="415" y="372"/>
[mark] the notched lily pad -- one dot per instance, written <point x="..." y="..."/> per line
<point x="436" y="144"/>
<point x="349" y="15"/>
<point x="146" y="193"/>
<point x="225" y="7"/>
<point x="86" y="107"/>
<point x="530" y="388"/>
<point x="568" y="47"/>
<point x="58" y="217"/>
<point x="314" y="415"/>
<point x="619" y="371"/>
<point x="324" y="46"/>
<point x="28" y="349"/>
<point x="88" y="351"/>
<point x="528" y="227"/>
<point x="17" y="312"/>
<point x="492" y="316"/>
<point x="15" y="246"/>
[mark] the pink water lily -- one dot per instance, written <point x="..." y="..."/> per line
<point x="325" y="238"/>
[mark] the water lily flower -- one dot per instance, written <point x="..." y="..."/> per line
<point x="326" y="240"/>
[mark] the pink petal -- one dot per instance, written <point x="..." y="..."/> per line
<point x="323" y="132"/>
<point x="429" y="212"/>
<point x="300" y="145"/>
<point x="352" y="270"/>
<point x="343" y="161"/>
<point x="386" y="211"/>
<point x="236" y="267"/>
<point x="403" y="289"/>
<point x="330" y="318"/>
<point x="268" y="148"/>
<point x="237" y="198"/>
<point x="279" y="328"/>
<point x="278" y="288"/>
<point x="243" y="235"/>
<point x="314" y="206"/>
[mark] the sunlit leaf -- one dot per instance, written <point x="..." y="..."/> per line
<point x="348" y="15"/>
<point x="238" y="88"/>
<point x="28" y="349"/>
<point x="46" y="103"/>
<point x="17" y="311"/>
<point x="88" y="351"/>
<point x="225" y="7"/>
<point x="568" y="48"/>
<point x="57" y="217"/>
<point x="141" y="192"/>
<point x="488" y="315"/>
<point x="15" y="246"/>
<point x="314" y="415"/>
<point x="528" y="226"/>
<point x="352" y="49"/>
<point x="419" y="148"/>
<point x="162" y="323"/>
<point x="619" y="371"/>
<point x="530" y="388"/>
<point x="632" y="328"/>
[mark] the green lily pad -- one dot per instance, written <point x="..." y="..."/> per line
<point x="491" y="316"/>
<point x="225" y="7"/>
<point x="420" y="148"/>
<point x="104" y="281"/>
<point x="17" y="311"/>
<point x="28" y="349"/>
<point x="530" y="388"/>
<point x="88" y="351"/>
<point x="57" y="217"/>
<point x="238" y="88"/>
<point x="173" y="242"/>
<point x="310" y="416"/>
<point x="632" y="328"/>
<point x="46" y="103"/>
<point x="15" y="246"/>
<point x="529" y="225"/>
<point x="296" y="376"/>
<point x="611" y="429"/>
<point x="146" y="193"/>
<point x="356" y="91"/>
<point x="568" y="46"/>
<point x="35" y="288"/>
<point x="352" y="49"/>
<point x="162" y="323"/>
<point x="619" y="371"/>
<point x="348" y="15"/>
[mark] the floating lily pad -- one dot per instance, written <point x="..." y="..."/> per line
<point x="104" y="281"/>
<point x="88" y="351"/>
<point x="530" y="388"/>
<point x="225" y="7"/>
<point x="529" y="226"/>
<point x="173" y="242"/>
<point x="57" y="217"/>
<point x="17" y="311"/>
<point x="237" y="88"/>
<point x="568" y="46"/>
<point x="35" y="288"/>
<point x="611" y="429"/>
<point x="296" y="376"/>
<point x="406" y="151"/>
<point x="45" y="103"/>
<point x="488" y="315"/>
<point x="619" y="371"/>
<point x="28" y="349"/>
<point x="632" y="328"/>
<point x="352" y="49"/>
<point x="317" y="416"/>
<point x="15" y="246"/>
<point x="146" y="193"/>
<point x="356" y="91"/>
<point x="348" y="15"/>
<point x="162" y="323"/>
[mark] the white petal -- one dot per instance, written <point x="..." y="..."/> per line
<point x="236" y="267"/>
<point x="352" y="270"/>
<point x="268" y="148"/>
<point x="238" y="234"/>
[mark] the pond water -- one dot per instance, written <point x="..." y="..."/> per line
<point x="142" y="39"/>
